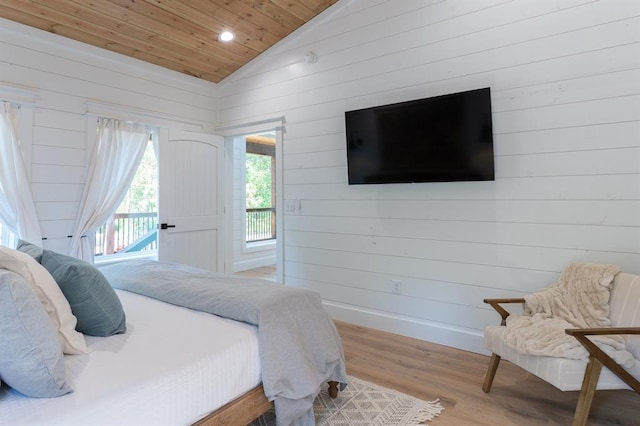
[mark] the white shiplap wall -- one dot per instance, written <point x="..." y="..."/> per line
<point x="565" y="80"/>
<point x="66" y="79"/>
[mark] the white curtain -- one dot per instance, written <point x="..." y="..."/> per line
<point x="116" y="155"/>
<point x="17" y="211"/>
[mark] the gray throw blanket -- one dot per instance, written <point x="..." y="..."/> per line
<point x="300" y="348"/>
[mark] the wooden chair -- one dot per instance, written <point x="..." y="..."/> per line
<point x="568" y="374"/>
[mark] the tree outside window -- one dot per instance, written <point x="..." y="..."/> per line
<point x="260" y="189"/>
<point x="258" y="183"/>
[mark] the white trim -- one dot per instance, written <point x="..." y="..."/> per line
<point x="242" y="170"/>
<point x="279" y="206"/>
<point x="17" y="94"/>
<point x="121" y="112"/>
<point x="258" y="246"/>
<point x="245" y="265"/>
<point x="442" y="334"/>
<point x="228" y="204"/>
<point x="258" y="126"/>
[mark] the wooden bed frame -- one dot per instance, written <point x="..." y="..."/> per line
<point x="246" y="408"/>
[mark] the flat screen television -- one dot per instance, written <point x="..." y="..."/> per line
<point x="438" y="139"/>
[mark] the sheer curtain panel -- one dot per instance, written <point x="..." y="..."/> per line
<point x="17" y="211"/>
<point x="116" y="155"/>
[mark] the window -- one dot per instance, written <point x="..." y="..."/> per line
<point x="260" y="188"/>
<point x="7" y="238"/>
<point x="133" y="227"/>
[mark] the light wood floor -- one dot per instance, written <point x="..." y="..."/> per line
<point x="429" y="371"/>
<point x="264" y="272"/>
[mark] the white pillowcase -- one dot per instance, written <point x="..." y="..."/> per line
<point x="50" y="296"/>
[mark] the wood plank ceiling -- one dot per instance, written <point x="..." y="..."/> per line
<point x="181" y="35"/>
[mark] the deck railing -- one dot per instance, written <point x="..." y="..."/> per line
<point x="128" y="232"/>
<point x="132" y="232"/>
<point x="261" y="224"/>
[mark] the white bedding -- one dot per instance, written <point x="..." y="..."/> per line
<point x="172" y="367"/>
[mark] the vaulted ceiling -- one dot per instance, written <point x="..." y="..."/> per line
<point x="181" y="35"/>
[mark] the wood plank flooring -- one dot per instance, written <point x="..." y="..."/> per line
<point x="429" y="371"/>
<point x="264" y="272"/>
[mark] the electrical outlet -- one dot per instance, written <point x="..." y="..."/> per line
<point x="396" y="286"/>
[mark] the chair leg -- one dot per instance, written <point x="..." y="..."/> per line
<point x="589" y="383"/>
<point x="491" y="372"/>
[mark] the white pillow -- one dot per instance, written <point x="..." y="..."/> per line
<point x="50" y="296"/>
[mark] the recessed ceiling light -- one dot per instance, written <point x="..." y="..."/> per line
<point x="226" y="36"/>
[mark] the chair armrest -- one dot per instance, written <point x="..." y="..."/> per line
<point x="595" y="353"/>
<point x="495" y="304"/>
<point x="601" y="331"/>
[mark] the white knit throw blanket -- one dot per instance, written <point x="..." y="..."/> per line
<point x="579" y="299"/>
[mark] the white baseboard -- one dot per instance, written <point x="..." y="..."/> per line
<point x="253" y="263"/>
<point x="468" y="340"/>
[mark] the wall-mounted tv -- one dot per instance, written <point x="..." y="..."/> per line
<point x="439" y="139"/>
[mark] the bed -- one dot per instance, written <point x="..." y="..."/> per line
<point x="178" y="365"/>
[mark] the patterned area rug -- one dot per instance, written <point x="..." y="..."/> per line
<point x="366" y="404"/>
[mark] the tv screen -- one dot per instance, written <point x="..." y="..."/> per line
<point x="440" y="139"/>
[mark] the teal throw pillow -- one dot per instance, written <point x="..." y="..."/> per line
<point x="31" y="249"/>
<point x="93" y="301"/>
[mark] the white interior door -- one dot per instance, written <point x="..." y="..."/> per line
<point x="191" y="199"/>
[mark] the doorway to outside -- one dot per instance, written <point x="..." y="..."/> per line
<point x="254" y="199"/>
<point x="186" y="178"/>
